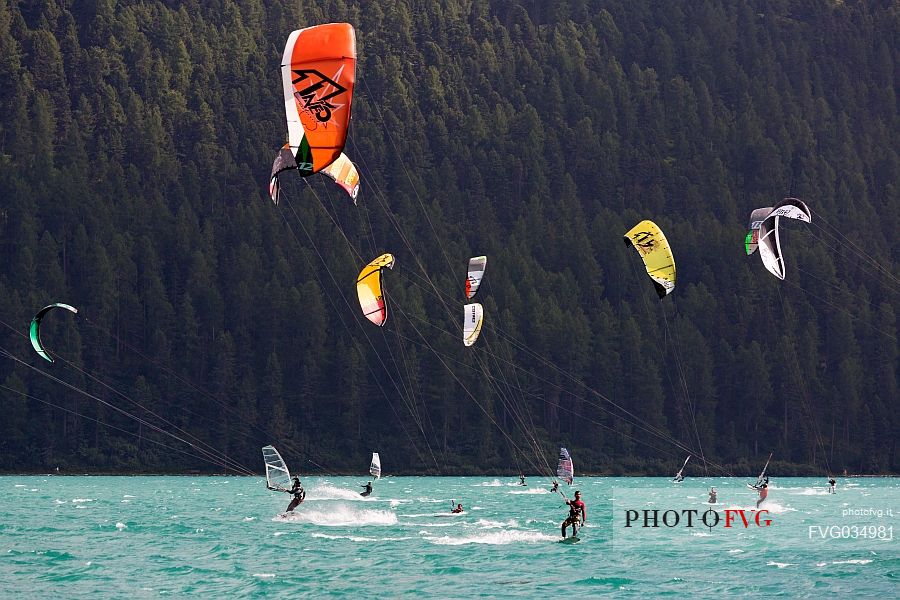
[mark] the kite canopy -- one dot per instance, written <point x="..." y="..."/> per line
<point x="318" y="72"/>
<point x="344" y="173"/>
<point x="368" y="288"/>
<point x="648" y="239"/>
<point x="473" y="319"/>
<point x="756" y="219"/>
<point x="565" y="470"/>
<point x="769" y="241"/>
<point x="35" y="330"/>
<point x="477" y="264"/>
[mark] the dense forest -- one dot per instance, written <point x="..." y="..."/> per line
<point x="136" y="139"/>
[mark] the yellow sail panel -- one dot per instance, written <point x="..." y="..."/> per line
<point x="473" y="319"/>
<point x="648" y="239"/>
<point x="344" y="173"/>
<point x="368" y="288"/>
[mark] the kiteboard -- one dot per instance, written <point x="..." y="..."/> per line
<point x="570" y="540"/>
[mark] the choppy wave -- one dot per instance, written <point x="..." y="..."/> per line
<point x="489" y="524"/>
<point x="780" y="565"/>
<point x="494" y="538"/>
<point x="536" y="490"/>
<point x="494" y="483"/>
<point x="327" y="491"/>
<point x="338" y="516"/>
<point x="360" y="538"/>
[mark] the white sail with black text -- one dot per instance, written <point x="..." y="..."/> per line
<point x="375" y="467"/>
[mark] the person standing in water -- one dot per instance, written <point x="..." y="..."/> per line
<point x="832" y="483"/>
<point x="555" y="487"/>
<point x="522" y="479"/>
<point x="299" y="495"/>
<point x="577" y="512"/>
<point x="368" y="489"/>
<point x="712" y="496"/>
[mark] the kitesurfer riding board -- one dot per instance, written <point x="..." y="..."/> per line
<point x="368" y="489"/>
<point x="577" y="512"/>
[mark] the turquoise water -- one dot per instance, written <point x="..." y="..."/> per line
<point x="145" y="537"/>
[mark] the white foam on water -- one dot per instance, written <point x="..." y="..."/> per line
<point x="339" y="516"/>
<point x="280" y="533"/>
<point x="58" y="501"/>
<point x="494" y="483"/>
<point x="489" y="524"/>
<point x="735" y="551"/>
<point x="129" y="496"/>
<point x="852" y="561"/>
<point x="811" y="492"/>
<point x="20" y="485"/>
<point x="120" y="526"/>
<point x="700" y="534"/>
<point x="76" y="500"/>
<point x="821" y="564"/>
<point x="249" y="518"/>
<point x="327" y="491"/>
<point x="359" y="538"/>
<point x="265" y="575"/>
<point x="494" y="538"/>
<point x="772" y="563"/>
<point x="434" y="524"/>
<point x="531" y="491"/>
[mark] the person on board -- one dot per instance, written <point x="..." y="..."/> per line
<point x="577" y="512"/>
<point x="832" y="483"/>
<point x="555" y="487"/>
<point x="299" y="495"/>
<point x="522" y="479"/>
<point x="763" y="491"/>
<point x="457" y="510"/>
<point x="712" y="496"/>
<point x="368" y="489"/>
<point x="678" y="477"/>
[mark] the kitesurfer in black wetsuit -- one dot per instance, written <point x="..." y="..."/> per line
<point x="555" y="487"/>
<point x="458" y="509"/>
<point x="522" y="480"/>
<point x="368" y="488"/>
<point x="299" y="495"/>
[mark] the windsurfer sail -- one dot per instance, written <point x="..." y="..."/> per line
<point x="565" y="470"/>
<point x="762" y="474"/>
<point x="678" y="476"/>
<point x="375" y="466"/>
<point x="277" y="475"/>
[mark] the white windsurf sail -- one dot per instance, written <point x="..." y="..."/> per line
<point x="375" y="467"/>
<point x="762" y="474"/>
<point x="678" y="475"/>
<point x="277" y="475"/>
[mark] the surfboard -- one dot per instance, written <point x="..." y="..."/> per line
<point x="570" y="540"/>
